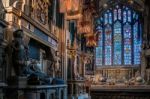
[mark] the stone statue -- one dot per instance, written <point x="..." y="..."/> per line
<point x="19" y="52"/>
<point x="89" y="65"/>
<point x="34" y="72"/>
<point x="20" y="58"/>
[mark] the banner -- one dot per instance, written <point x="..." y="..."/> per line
<point x="73" y="9"/>
<point x="85" y="23"/>
<point x="62" y="7"/>
<point x="91" y="40"/>
<point x="72" y="6"/>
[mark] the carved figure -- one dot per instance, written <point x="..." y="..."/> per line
<point x="20" y="58"/>
<point x="19" y="52"/>
<point x="35" y="75"/>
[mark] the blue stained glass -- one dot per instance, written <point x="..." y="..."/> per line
<point x="108" y="45"/>
<point x="137" y="16"/>
<point x="115" y="14"/>
<point x="134" y="15"/>
<point x="101" y="19"/>
<point x="127" y="44"/>
<point x="106" y="18"/>
<point x="117" y="6"/>
<point x="124" y="16"/>
<point x="98" y="28"/>
<point x="117" y="48"/>
<point x="98" y="56"/>
<point x="99" y="49"/>
<point x="117" y="44"/>
<point x="126" y="8"/>
<point x="110" y="18"/>
<point x="137" y="44"/>
<point x="119" y="14"/>
<point x="129" y="16"/>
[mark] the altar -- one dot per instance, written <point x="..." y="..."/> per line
<point x="120" y="91"/>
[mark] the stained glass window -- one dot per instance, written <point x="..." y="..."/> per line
<point x="110" y="18"/>
<point x="98" y="28"/>
<point x="124" y="16"/>
<point x="137" y="17"/>
<point x="119" y="14"/>
<point x="129" y="16"/>
<point x="101" y="18"/>
<point x="108" y="45"/>
<point x="137" y="44"/>
<point x="127" y="44"/>
<point x="134" y="14"/>
<point x="106" y="18"/>
<point x="119" y="38"/>
<point x="117" y="43"/>
<point x="99" y="49"/>
<point x="115" y="14"/>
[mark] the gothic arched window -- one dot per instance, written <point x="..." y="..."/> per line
<point x="120" y="40"/>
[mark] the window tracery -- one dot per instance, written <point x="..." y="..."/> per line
<point x="119" y="37"/>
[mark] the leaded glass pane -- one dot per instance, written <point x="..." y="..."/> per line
<point x="110" y="18"/>
<point x="98" y="28"/>
<point x="99" y="50"/>
<point x="127" y="44"/>
<point x="129" y="16"/>
<point x="108" y="45"/>
<point x="115" y="14"/>
<point x="124" y="16"/>
<point x="137" y="16"/>
<point x="106" y="18"/>
<point x="137" y="44"/>
<point x="101" y="19"/>
<point x="117" y="44"/>
<point x="134" y="15"/>
<point x="119" y="14"/>
<point x="117" y="6"/>
<point x="120" y="46"/>
<point x="98" y="56"/>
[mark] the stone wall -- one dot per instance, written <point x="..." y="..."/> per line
<point x="145" y="68"/>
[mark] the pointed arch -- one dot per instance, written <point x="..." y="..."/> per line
<point x="120" y="38"/>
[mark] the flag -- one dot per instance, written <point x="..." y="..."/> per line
<point x="73" y="9"/>
<point x="62" y="7"/>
